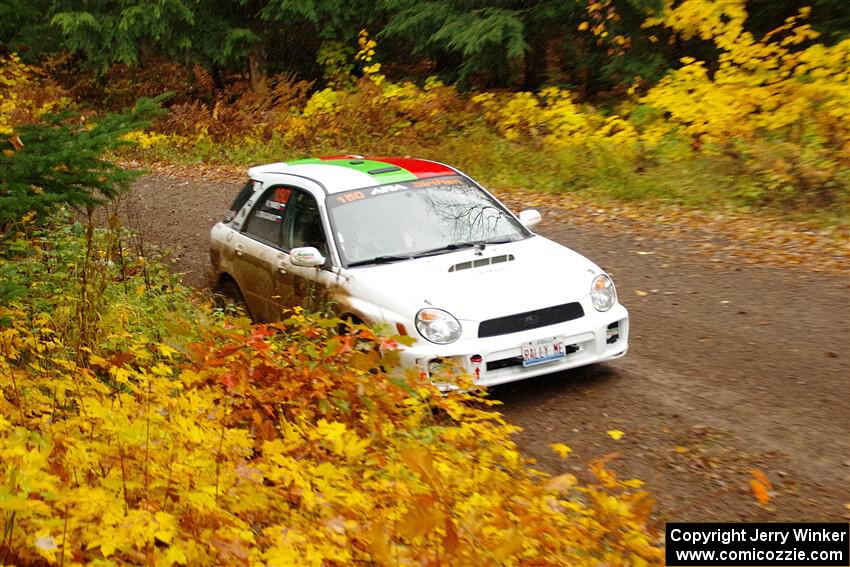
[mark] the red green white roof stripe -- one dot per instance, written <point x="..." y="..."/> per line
<point x="347" y="172"/>
<point x="384" y="169"/>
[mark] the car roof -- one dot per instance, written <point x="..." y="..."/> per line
<point x="346" y="172"/>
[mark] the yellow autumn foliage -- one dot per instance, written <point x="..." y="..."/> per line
<point x="181" y="437"/>
<point x="24" y="94"/>
<point x="761" y="87"/>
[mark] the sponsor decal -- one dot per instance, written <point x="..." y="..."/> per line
<point x="438" y="182"/>
<point x="388" y="189"/>
<point x="358" y="195"/>
<point x="269" y="216"/>
<point x="350" y="197"/>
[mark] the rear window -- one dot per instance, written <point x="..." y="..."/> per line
<point x="241" y="199"/>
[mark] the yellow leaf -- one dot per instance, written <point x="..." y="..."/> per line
<point x="166" y="527"/>
<point x="98" y="361"/>
<point x="680" y="449"/>
<point x="122" y="375"/>
<point x="421" y="519"/>
<point x="641" y="293"/>
<point x="176" y="555"/>
<point x="166" y="350"/>
<point x="161" y="370"/>
<point x="615" y="434"/>
<point x="561" y="449"/>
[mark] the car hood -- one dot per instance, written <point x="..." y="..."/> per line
<point x="542" y="273"/>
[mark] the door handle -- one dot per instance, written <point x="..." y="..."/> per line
<point x="239" y="250"/>
<point x="281" y="263"/>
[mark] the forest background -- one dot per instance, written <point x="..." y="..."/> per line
<point x="704" y="103"/>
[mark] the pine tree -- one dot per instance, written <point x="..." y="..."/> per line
<point x="60" y="161"/>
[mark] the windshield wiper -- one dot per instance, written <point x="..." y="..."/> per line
<point x="444" y="249"/>
<point x="379" y="260"/>
<point x="461" y="245"/>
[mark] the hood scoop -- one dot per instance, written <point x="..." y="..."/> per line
<point x="482" y="262"/>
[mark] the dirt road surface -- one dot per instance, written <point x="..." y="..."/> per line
<point x="731" y="367"/>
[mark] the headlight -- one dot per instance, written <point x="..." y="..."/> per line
<point x="437" y="326"/>
<point x="602" y="293"/>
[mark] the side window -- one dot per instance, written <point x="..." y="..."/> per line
<point x="303" y="226"/>
<point x="266" y="219"/>
<point x="241" y="199"/>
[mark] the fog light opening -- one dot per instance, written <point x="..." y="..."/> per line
<point x="612" y="335"/>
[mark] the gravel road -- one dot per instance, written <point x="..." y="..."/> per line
<point x="731" y="368"/>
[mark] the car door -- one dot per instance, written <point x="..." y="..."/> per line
<point x="258" y="252"/>
<point x="303" y="226"/>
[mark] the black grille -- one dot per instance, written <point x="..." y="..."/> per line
<point x="530" y="320"/>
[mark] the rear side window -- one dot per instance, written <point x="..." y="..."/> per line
<point x="241" y="199"/>
<point x="265" y="222"/>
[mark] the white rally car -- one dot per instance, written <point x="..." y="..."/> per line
<point x="420" y="247"/>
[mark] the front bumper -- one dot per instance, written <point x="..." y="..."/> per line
<point x="596" y="337"/>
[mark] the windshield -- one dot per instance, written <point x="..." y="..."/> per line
<point x="400" y="221"/>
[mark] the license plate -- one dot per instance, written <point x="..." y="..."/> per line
<point x="543" y="351"/>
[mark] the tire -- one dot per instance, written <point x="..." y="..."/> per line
<point x="228" y="297"/>
<point x="348" y="318"/>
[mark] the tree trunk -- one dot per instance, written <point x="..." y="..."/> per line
<point x="218" y="81"/>
<point x="257" y="68"/>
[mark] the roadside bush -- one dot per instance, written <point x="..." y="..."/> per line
<point x="777" y="110"/>
<point x="178" y="436"/>
<point x="26" y="94"/>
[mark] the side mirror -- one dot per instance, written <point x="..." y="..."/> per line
<point x="529" y="217"/>
<point x="306" y="257"/>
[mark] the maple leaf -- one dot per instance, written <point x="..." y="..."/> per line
<point x="421" y="519"/>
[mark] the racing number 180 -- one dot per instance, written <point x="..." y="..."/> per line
<point x="351" y="197"/>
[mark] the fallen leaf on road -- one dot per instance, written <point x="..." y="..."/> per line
<point x="641" y="293"/>
<point x="615" y="434"/>
<point x="680" y="449"/>
<point x="762" y="478"/>
<point x="561" y="449"/>
<point x="760" y="492"/>
<point x="642" y="253"/>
